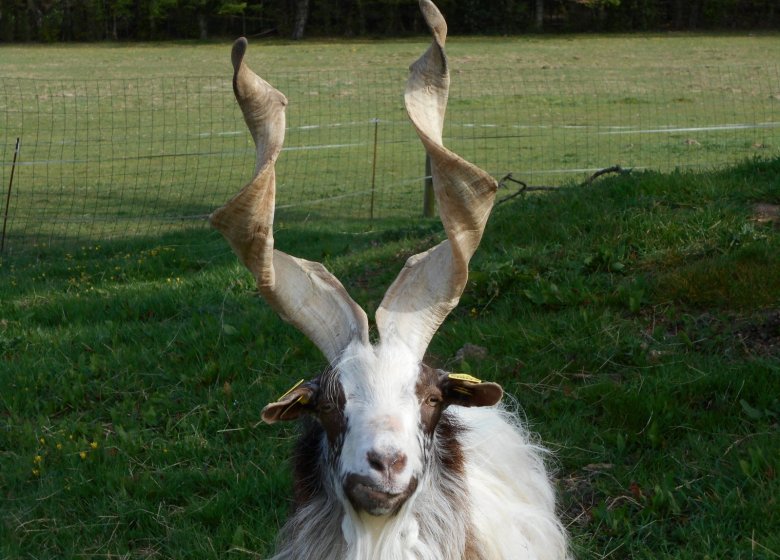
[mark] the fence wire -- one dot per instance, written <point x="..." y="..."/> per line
<point x="120" y="159"/>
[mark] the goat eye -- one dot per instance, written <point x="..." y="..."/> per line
<point x="327" y="407"/>
<point x="433" y="400"/>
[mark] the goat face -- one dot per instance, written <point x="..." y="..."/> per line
<point x="379" y="409"/>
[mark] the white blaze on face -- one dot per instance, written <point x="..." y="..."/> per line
<point x="382" y="416"/>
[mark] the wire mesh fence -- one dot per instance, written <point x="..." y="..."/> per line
<point x="117" y="159"/>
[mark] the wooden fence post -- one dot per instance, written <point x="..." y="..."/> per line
<point x="8" y="197"/>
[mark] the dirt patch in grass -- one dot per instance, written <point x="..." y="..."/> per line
<point x="757" y="334"/>
<point x="761" y="335"/>
<point x="580" y="493"/>
<point x="765" y="213"/>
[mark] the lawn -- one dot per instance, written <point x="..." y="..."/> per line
<point x="127" y="140"/>
<point x="636" y="321"/>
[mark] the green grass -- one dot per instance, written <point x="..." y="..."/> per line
<point x="636" y="321"/>
<point x="128" y="140"/>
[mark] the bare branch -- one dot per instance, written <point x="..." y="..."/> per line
<point x="525" y="187"/>
<point x="606" y="170"/>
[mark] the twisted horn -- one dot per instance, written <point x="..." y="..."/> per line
<point x="302" y="292"/>
<point x="431" y="283"/>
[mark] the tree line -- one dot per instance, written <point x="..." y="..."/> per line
<point x="99" y="20"/>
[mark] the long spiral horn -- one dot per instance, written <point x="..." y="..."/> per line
<point x="431" y="283"/>
<point x="304" y="293"/>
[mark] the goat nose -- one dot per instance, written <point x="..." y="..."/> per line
<point x="387" y="463"/>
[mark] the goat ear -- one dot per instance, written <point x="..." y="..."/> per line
<point x="292" y="404"/>
<point x="465" y="390"/>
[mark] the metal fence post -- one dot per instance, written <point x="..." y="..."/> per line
<point x="429" y="200"/>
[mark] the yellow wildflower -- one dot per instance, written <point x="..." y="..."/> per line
<point x="94" y="445"/>
<point x="38" y="460"/>
<point x="83" y="454"/>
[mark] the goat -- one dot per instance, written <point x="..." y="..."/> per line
<point x="397" y="460"/>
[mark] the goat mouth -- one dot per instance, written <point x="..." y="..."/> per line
<point x="365" y="495"/>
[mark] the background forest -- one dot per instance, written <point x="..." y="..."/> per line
<point x="97" y="20"/>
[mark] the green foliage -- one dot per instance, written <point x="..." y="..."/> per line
<point x="133" y="375"/>
<point x="79" y="20"/>
<point x="232" y="8"/>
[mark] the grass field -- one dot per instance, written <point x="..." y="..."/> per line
<point x="636" y="321"/>
<point x="575" y="55"/>
<point x="121" y="140"/>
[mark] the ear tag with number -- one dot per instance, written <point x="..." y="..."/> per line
<point x="464" y="377"/>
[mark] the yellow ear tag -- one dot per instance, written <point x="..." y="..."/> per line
<point x="464" y="377"/>
<point x="303" y="399"/>
<point x="290" y="390"/>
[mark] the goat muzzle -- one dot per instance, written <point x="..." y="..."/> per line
<point x="377" y="499"/>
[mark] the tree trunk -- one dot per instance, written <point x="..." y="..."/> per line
<point x="677" y="16"/>
<point x="37" y="14"/>
<point x="539" y="15"/>
<point x="301" y="15"/>
<point x="693" y="16"/>
<point x="203" y="25"/>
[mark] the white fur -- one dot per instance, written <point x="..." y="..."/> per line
<point x="512" y="499"/>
